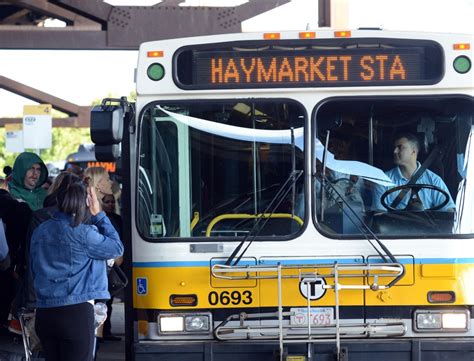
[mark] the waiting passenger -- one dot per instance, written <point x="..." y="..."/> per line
<point x="60" y="184"/>
<point x="69" y="272"/>
<point x="99" y="180"/>
<point x="15" y="216"/>
<point x="405" y="154"/>
<point x="28" y="175"/>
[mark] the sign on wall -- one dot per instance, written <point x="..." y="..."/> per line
<point x="14" y="138"/>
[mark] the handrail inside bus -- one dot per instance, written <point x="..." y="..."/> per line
<point x="195" y="220"/>
<point x="221" y="217"/>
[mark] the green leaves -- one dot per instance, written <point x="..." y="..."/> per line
<point x="65" y="141"/>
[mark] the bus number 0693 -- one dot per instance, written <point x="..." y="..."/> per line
<point x="234" y="297"/>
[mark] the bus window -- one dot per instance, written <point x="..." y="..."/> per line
<point x="215" y="169"/>
<point x="366" y="136"/>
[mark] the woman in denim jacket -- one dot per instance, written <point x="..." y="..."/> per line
<point x="68" y="265"/>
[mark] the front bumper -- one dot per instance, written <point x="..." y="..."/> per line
<point x="461" y="349"/>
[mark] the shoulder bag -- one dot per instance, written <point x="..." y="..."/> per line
<point x="117" y="280"/>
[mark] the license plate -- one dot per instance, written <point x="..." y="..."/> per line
<point x="319" y="316"/>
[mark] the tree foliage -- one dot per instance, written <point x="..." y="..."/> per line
<point x="64" y="142"/>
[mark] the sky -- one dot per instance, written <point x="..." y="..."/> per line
<point x="82" y="76"/>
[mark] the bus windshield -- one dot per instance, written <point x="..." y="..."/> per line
<point x="218" y="176"/>
<point x="395" y="167"/>
<point x="422" y="145"/>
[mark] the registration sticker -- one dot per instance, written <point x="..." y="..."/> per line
<point x="319" y="316"/>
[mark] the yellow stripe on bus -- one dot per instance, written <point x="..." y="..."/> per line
<point x="412" y="290"/>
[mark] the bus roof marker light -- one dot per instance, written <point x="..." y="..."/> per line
<point x="307" y="35"/>
<point x="342" y="34"/>
<point x="271" y="36"/>
<point x="462" y="64"/>
<point x="156" y="71"/>
<point x="462" y="46"/>
<point x="155" y="54"/>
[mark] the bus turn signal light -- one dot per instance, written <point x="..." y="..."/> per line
<point x="441" y="297"/>
<point x="183" y="300"/>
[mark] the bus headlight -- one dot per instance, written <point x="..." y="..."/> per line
<point x="455" y="321"/>
<point x="427" y="321"/>
<point x="197" y="323"/>
<point x="181" y="323"/>
<point x="441" y="320"/>
<point x="171" y="323"/>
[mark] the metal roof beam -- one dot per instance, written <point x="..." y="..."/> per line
<point x="125" y="27"/>
<point x="38" y="96"/>
<point x="54" y="38"/>
<point x="69" y="122"/>
<point x="15" y="17"/>
<point x="80" y="115"/>
<point x="57" y="12"/>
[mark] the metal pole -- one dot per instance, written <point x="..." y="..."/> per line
<point x="308" y="305"/>
<point x="323" y="178"/>
<point x="324" y="13"/>
<point x="336" y="290"/>
<point x="280" y="310"/>
<point x="371" y="136"/>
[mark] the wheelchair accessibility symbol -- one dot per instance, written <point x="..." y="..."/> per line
<point x="142" y="286"/>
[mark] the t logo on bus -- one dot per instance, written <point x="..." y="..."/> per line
<point x="312" y="288"/>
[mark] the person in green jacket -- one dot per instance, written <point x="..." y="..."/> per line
<point x="28" y="175"/>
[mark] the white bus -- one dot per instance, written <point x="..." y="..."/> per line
<point x="298" y="196"/>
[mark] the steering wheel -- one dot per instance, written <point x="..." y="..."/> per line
<point x="414" y="187"/>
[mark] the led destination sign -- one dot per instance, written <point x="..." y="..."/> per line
<point x="314" y="68"/>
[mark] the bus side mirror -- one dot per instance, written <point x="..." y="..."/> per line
<point x="107" y="153"/>
<point x="107" y="124"/>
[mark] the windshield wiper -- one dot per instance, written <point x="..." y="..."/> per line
<point x="272" y="206"/>
<point x="365" y="231"/>
<point x="359" y="223"/>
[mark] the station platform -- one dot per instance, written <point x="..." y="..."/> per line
<point x="11" y="346"/>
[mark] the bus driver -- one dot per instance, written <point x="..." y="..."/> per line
<point x="405" y="153"/>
